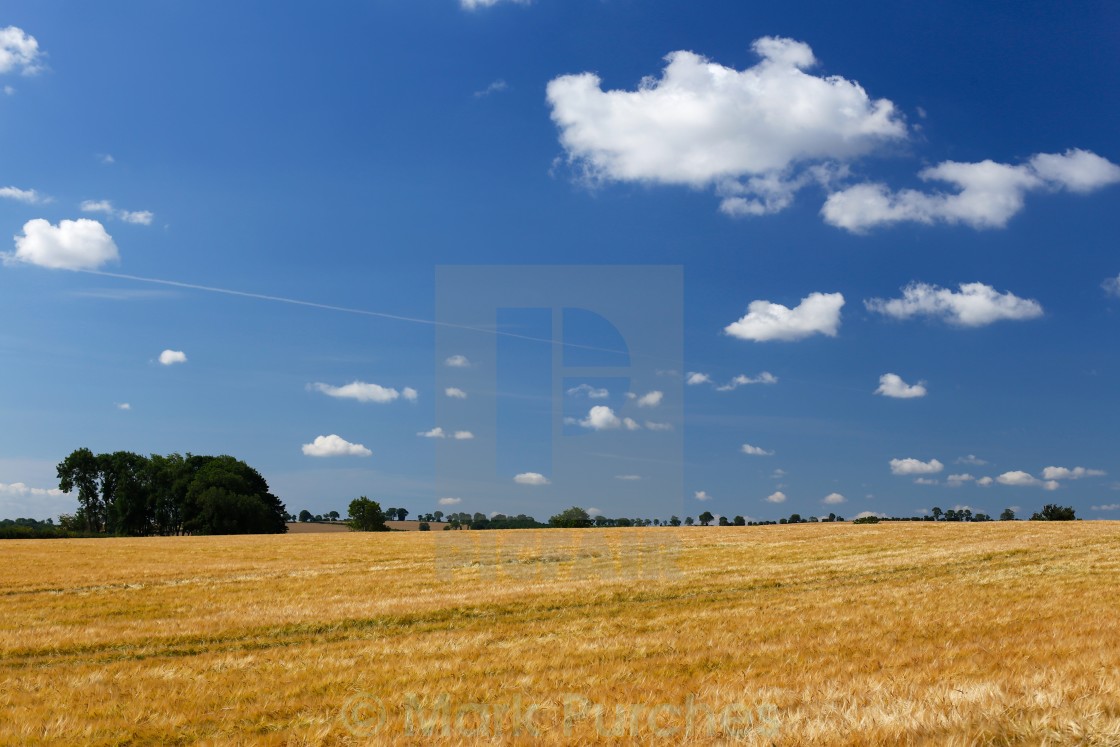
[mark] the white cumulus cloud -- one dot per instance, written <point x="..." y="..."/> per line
<point x="972" y="459"/>
<point x="531" y="478"/>
<point x="695" y="377"/>
<point x="19" y="52"/>
<point x="589" y="391"/>
<point x="1018" y="478"/>
<point x="755" y="450"/>
<point x="911" y="466"/>
<point x="776" y="497"/>
<point x="755" y="135"/>
<point x="436" y="432"/>
<point x="450" y="501"/>
<point x="892" y="385"/>
<point x="974" y="305"/>
<point x="334" y="446"/>
<point x="956" y="481"/>
<point x="988" y="194"/>
<point x="1112" y="286"/>
<point x="455" y="392"/>
<point x="457" y="361"/>
<point x="171" y="357"/>
<point x="81" y="244"/>
<point x="743" y="380"/>
<point x="1065" y="473"/>
<point x="141" y="217"/>
<point x="650" y="399"/>
<point x="701" y="495"/>
<point x="818" y="313"/>
<point x="833" y="499"/>
<point x="463" y="436"/>
<point x="28" y="196"/>
<point x="362" y="392"/>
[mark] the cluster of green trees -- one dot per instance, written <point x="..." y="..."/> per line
<point x="129" y="494"/>
<point x="33" y="529"/>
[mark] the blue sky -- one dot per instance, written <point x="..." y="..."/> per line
<point x="895" y="222"/>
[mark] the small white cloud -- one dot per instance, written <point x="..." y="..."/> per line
<point x="463" y="436"/>
<point x="1018" y="478"/>
<point x="9" y="90"/>
<point x="915" y="467"/>
<point x="27" y="196"/>
<point x="956" y="481"/>
<point x="892" y="385"/>
<point x="658" y="426"/>
<point x="701" y="495"/>
<point x="926" y="481"/>
<point x="81" y="244"/>
<point x="1111" y="285"/>
<point x="743" y="380"/>
<point x="19" y="52"/>
<point x="171" y="357"/>
<point x="531" y="478"/>
<point x="989" y="193"/>
<point x="334" y="446"/>
<point x="628" y="477"/>
<point x="776" y="497"/>
<point x="409" y="394"/>
<point x="449" y="501"/>
<point x="360" y="391"/>
<point x="778" y="474"/>
<point x="496" y="86"/>
<point x="972" y="459"/>
<point x="601" y="418"/>
<point x="630" y="424"/>
<point x="589" y="391"/>
<point x="833" y="499"/>
<point x="476" y="4"/>
<point x="1107" y="507"/>
<point x="436" y="432"/>
<point x="141" y="217"/>
<point x="650" y="399"/>
<point x="1064" y="473"/>
<point x="985" y="482"/>
<point x="106" y="158"/>
<point x="755" y="450"/>
<point x="818" y="313"/>
<point x="975" y="305"/>
<point x="457" y="361"/>
<point x="124" y="406"/>
<point x="695" y="377"/>
<point x="22" y="489"/>
<point x="455" y="392"/>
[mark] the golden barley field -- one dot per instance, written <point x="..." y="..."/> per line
<point x="818" y="634"/>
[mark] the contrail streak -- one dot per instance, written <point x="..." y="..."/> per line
<point x="345" y="310"/>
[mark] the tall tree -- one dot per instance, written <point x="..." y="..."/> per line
<point x="80" y="471"/>
<point x="366" y="516"/>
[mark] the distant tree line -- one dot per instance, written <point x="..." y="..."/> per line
<point x="123" y="493"/>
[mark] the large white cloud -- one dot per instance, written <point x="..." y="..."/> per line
<point x="974" y="305"/>
<point x="531" y="478"/>
<point x="987" y="193"/>
<point x="81" y="244"/>
<point x="363" y="392"/>
<point x="334" y="446"/>
<point x="756" y="135"/>
<point x="892" y="385"/>
<point x="910" y="466"/>
<point x="19" y="51"/>
<point x="818" y="313"/>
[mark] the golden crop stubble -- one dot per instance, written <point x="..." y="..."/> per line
<point x="819" y="634"/>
